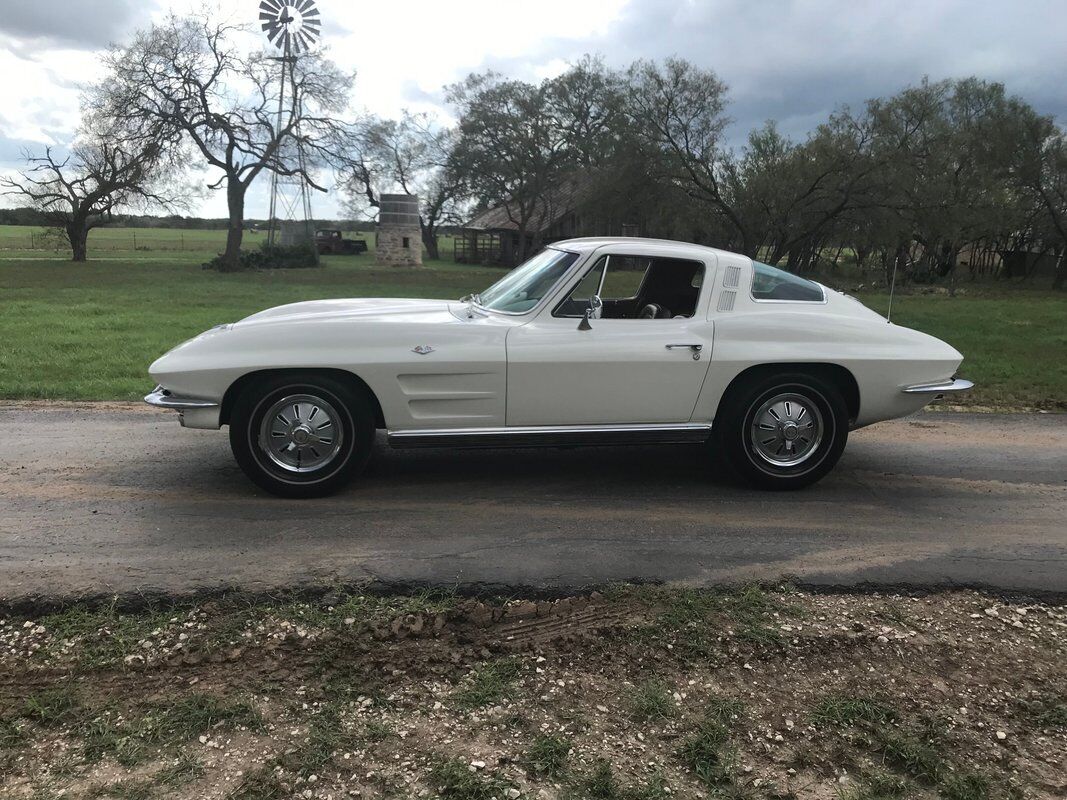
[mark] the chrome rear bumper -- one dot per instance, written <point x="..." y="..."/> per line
<point x="954" y="385"/>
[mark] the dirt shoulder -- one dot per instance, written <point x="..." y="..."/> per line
<point x="639" y="693"/>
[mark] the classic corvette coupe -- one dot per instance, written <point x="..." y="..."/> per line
<point x="591" y="341"/>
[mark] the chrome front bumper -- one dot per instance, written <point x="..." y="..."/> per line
<point x="192" y="411"/>
<point x="162" y="398"/>
<point x="944" y="387"/>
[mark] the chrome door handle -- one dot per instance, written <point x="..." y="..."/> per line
<point x="695" y="347"/>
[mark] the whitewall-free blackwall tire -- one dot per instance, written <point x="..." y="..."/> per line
<point x="301" y="436"/>
<point x="782" y="431"/>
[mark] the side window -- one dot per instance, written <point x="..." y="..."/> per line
<point x="637" y="287"/>
<point x="771" y="283"/>
<point x="590" y="284"/>
<point x="624" y="278"/>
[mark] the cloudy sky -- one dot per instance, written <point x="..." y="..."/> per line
<point x="790" y="60"/>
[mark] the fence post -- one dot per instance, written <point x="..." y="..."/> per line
<point x="135" y="240"/>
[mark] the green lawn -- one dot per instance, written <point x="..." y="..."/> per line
<point x="89" y="331"/>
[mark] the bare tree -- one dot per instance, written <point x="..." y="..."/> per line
<point x="186" y="73"/>
<point x="413" y="155"/>
<point x="108" y="168"/>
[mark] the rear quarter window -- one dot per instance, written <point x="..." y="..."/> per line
<point x="771" y="283"/>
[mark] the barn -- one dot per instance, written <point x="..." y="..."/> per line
<point x="492" y="236"/>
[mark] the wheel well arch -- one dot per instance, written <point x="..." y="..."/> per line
<point x="249" y="378"/>
<point x="834" y="374"/>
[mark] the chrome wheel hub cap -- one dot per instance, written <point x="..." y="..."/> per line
<point x="301" y="433"/>
<point x="786" y="430"/>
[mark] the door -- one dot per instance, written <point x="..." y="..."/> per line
<point x="643" y="361"/>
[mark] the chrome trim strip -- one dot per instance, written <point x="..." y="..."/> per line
<point x="552" y="435"/>
<point x="159" y="398"/>
<point x="954" y="385"/>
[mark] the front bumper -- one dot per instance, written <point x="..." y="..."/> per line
<point x="164" y="399"/>
<point x="939" y="389"/>
<point x="192" y="411"/>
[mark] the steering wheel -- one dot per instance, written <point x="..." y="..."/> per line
<point x="651" y="311"/>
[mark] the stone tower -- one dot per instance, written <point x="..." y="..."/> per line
<point x="399" y="236"/>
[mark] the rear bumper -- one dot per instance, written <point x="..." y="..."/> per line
<point x="193" y="412"/>
<point x="937" y="389"/>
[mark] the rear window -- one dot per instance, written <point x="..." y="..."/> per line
<point x="771" y="283"/>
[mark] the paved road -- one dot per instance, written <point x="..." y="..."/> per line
<point x="118" y="498"/>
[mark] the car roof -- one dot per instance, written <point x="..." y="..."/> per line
<point x="590" y="243"/>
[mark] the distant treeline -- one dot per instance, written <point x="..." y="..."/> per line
<point x="26" y="215"/>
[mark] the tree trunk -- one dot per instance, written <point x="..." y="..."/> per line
<point x="78" y="234"/>
<point x="521" y="250"/>
<point x="429" y="241"/>
<point x="235" y="201"/>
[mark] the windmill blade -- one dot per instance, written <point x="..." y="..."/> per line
<point x="277" y="29"/>
<point x="312" y="24"/>
<point x="270" y="5"/>
<point x="311" y="12"/>
<point x="305" y="39"/>
<point x="303" y="6"/>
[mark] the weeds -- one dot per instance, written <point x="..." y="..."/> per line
<point x="651" y="700"/>
<point x="328" y="733"/>
<point x="1047" y="710"/>
<point x="103" y="636"/>
<point x="878" y="786"/>
<point x="456" y="781"/>
<point x="162" y="726"/>
<point x="12" y="736"/>
<point x="843" y="711"/>
<point x="965" y="786"/>
<point x="52" y="708"/>
<point x="600" y="783"/>
<point x="490" y="683"/>
<point x="547" y="756"/>
<point x="705" y="615"/>
<point x="912" y="755"/>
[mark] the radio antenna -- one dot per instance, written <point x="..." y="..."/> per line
<point x="892" y="288"/>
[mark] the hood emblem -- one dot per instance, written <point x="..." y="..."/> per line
<point x="422" y="349"/>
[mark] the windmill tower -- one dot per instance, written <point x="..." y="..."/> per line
<point x="293" y="26"/>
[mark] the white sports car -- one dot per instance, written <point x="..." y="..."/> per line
<point x="591" y="341"/>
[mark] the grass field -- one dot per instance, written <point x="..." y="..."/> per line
<point x="89" y="331"/>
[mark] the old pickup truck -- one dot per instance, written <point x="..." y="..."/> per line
<point x="329" y="241"/>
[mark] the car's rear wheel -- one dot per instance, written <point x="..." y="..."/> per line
<point x="300" y="436"/>
<point x="782" y="431"/>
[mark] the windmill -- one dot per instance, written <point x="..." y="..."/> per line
<point x="292" y="26"/>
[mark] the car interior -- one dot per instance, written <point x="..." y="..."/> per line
<point x="637" y="288"/>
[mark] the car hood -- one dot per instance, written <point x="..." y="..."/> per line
<point x="371" y="308"/>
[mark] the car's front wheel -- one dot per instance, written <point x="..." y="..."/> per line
<point x="782" y="431"/>
<point x="301" y="437"/>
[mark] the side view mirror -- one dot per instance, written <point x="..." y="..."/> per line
<point x="596" y="306"/>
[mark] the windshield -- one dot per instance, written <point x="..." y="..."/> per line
<point x="523" y="287"/>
